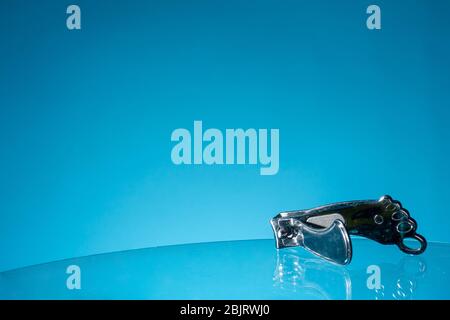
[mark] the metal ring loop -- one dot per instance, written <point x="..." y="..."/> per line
<point x="399" y="215"/>
<point x="420" y="239"/>
<point x="402" y="230"/>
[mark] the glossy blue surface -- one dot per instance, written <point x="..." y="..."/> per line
<point x="238" y="270"/>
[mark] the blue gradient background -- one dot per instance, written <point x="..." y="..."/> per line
<point x="86" y="117"/>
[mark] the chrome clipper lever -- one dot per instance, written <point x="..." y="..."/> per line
<point x="326" y="230"/>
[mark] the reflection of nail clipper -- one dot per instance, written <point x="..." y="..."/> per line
<point x="311" y="276"/>
<point x="325" y="230"/>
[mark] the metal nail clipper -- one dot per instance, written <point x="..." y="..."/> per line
<point x="326" y="230"/>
